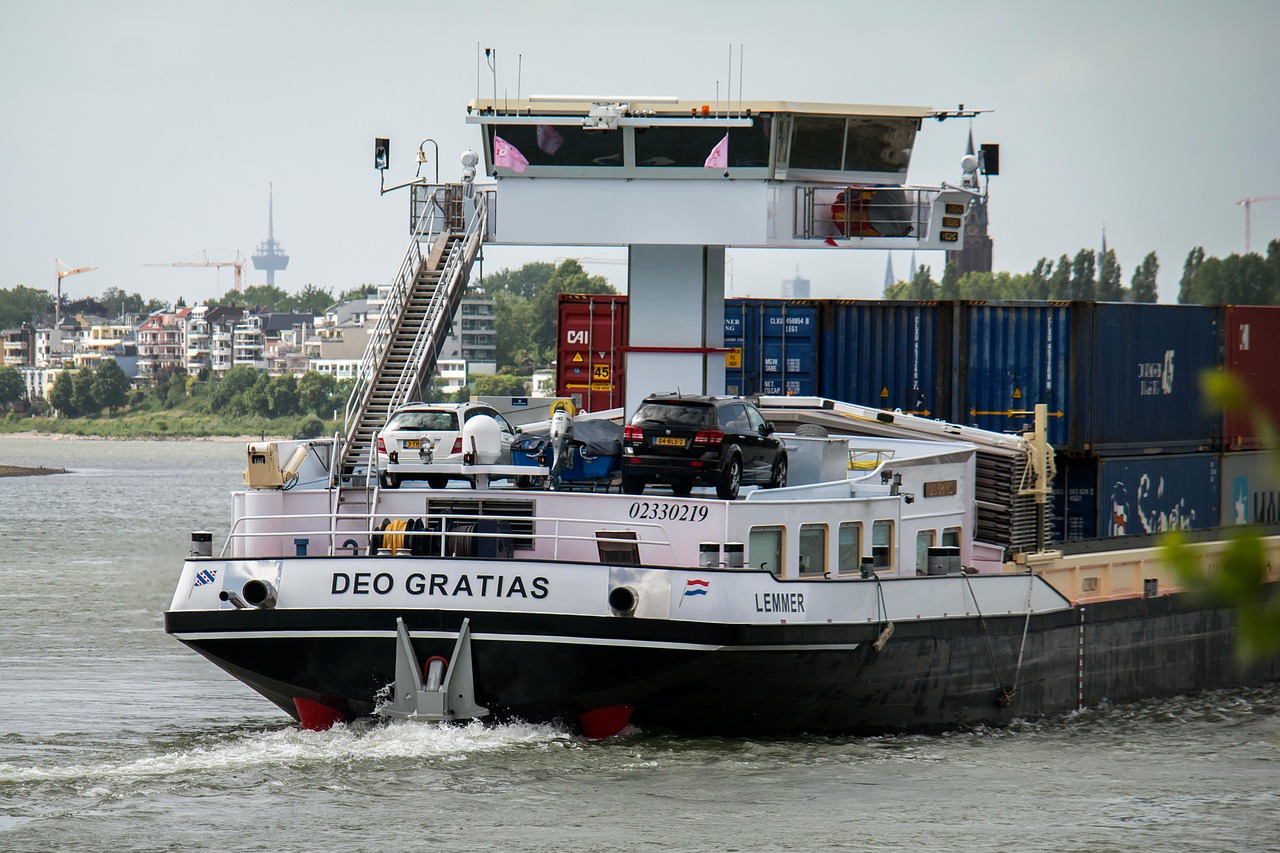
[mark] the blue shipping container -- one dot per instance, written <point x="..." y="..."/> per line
<point x="1152" y="494"/>
<point x="1012" y="356"/>
<point x="888" y="355"/>
<point x="778" y="343"/>
<point x="1142" y="384"/>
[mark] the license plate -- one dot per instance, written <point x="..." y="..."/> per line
<point x="412" y="443"/>
<point x="669" y="442"/>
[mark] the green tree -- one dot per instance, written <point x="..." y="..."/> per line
<point x="525" y="282"/>
<point x="311" y="300"/>
<point x="1060" y="280"/>
<point x="950" y="287"/>
<point x="82" y="392"/>
<point x="1040" y="279"/>
<point x="62" y="393"/>
<point x="499" y="385"/>
<point x="110" y="386"/>
<point x="255" y="400"/>
<point x="1143" y="287"/>
<point x="233" y="383"/>
<point x="1110" y="286"/>
<point x="515" y="327"/>
<point x="265" y="296"/>
<point x="1084" y="284"/>
<point x="569" y="277"/>
<point x="362" y="291"/>
<point x="22" y="304"/>
<point x="282" y="396"/>
<point x="316" y="392"/>
<point x="923" y="286"/>
<point x="115" y="299"/>
<point x="11" y="387"/>
<point x="1187" y="291"/>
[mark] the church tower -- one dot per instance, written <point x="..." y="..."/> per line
<point x="976" y="254"/>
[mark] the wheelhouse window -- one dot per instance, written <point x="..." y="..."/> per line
<point x="849" y="547"/>
<point x="817" y="143"/>
<point x="813" y="550"/>
<point x="951" y="537"/>
<point x="764" y="549"/>
<point x="563" y="144"/>
<point x="690" y="146"/>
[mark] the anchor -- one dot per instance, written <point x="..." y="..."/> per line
<point x="449" y="691"/>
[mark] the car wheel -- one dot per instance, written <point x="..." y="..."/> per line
<point x="632" y="485"/>
<point x="437" y="481"/>
<point x="391" y="481"/>
<point x="730" y="479"/>
<point x="779" y="478"/>
<point x="682" y="487"/>
<point x="527" y="483"/>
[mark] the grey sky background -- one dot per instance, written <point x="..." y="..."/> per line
<point x="136" y="132"/>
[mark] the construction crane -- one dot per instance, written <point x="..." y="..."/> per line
<point x="237" y="265"/>
<point x="1248" y="203"/>
<point x="62" y="271"/>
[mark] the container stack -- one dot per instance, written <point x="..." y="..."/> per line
<point x="1138" y="450"/>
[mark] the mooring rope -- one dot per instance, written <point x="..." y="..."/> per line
<point x="982" y="623"/>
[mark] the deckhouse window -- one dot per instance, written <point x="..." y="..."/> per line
<point x="850" y="547"/>
<point x="813" y="550"/>
<point x="818" y="143"/>
<point x="764" y="549"/>
<point x="882" y="544"/>
<point x="924" y="541"/>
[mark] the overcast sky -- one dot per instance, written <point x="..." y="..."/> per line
<point x="140" y="132"/>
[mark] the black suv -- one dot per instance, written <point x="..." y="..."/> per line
<point x="691" y="440"/>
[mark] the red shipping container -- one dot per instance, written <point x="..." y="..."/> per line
<point x="591" y="342"/>
<point x="1251" y="352"/>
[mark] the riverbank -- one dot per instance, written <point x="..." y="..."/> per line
<point x="169" y="426"/>
<point x="24" y="471"/>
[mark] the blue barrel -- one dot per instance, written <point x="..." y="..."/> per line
<point x="888" y="355"/>
<point x="777" y="340"/>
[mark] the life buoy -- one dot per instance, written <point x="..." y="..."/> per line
<point x="851" y="212"/>
<point x="565" y="406"/>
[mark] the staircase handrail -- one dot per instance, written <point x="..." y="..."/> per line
<point x="380" y="337"/>
<point x="456" y="265"/>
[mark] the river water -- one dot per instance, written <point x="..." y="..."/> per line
<point x="113" y="736"/>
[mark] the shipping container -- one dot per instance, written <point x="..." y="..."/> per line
<point x="1009" y="357"/>
<point x="889" y="355"/>
<point x="1141" y="386"/>
<point x="773" y="347"/>
<point x="1251" y="352"/>
<point x="591" y="341"/>
<point x="1109" y="496"/>
<point x="1250" y="488"/>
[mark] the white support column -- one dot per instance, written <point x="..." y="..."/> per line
<point x="676" y="296"/>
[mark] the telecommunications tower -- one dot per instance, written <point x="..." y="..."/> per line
<point x="269" y="256"/>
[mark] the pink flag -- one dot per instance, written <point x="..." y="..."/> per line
<point x="719" y="156"/>
<point x="505" y="154"/>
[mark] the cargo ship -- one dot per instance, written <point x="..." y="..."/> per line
<point x="899" y="579"/>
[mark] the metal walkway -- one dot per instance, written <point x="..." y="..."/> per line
<point x="415" y="318"/>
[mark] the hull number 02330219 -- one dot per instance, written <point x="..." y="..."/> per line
<point x="655" y="511"/>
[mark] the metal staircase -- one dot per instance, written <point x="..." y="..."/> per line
<point x="415" y="318"/>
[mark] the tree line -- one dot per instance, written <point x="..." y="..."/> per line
<point x="1247" y="279"/>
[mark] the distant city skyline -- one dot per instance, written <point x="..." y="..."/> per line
<point x="132" y="131"/>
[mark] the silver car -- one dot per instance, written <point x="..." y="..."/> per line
<point x="420" y="434"/>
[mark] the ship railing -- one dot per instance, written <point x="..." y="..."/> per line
<point x="563" y="530"/>
<point x="863" y="211"/>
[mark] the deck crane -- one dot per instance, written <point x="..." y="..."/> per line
<point x="1248" y="203"/>
<point x="237" y="265"/>
<point x="63" y="270"/>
